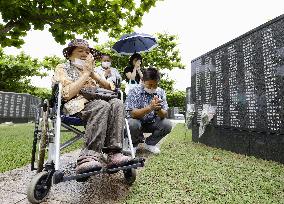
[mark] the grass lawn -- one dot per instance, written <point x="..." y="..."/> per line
<point x="16" y="145"/>
<point x="186" y="172"/>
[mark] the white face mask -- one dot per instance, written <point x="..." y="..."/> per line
<point x="150" y="91"/>
<point x="106" y="64"/>
<point x="79" y="63"/>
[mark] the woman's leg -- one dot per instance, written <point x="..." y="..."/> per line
<point x="96" y="114"/>
<point x="115" y="125"/>
<point x="114" y="136"/>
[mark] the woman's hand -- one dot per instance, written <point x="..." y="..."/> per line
<point x="89" y="63"/>
<point x="137" y="65"/>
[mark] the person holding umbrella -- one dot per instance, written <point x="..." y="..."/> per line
<point x="133" y="44"/>
<point x="133" y="72"/>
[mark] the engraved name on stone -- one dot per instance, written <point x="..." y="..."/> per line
<point x="19" y="106"/>
<point x="271" y="87"/>
<point x="6" y="105"/>
<point x="208" y="84"/>
<point x="1" y="104"/>
<point x="12" y="105"/>
<point x="24" y="105"/>
<point x="250" y="88"/>
<point x="219" y="88"/>
<point x="233" y="88"/>
<point x="198" y="90"/>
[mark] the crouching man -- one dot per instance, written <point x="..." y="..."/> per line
<point x="146" y="109"/>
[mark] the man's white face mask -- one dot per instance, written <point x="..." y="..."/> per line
<point x="106" y="64"/>
<point x="150" y="91"/>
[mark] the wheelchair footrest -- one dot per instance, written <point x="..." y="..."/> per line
<point x="135" y="163"/>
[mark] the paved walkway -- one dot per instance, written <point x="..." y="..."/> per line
<point x="101" y="188"/>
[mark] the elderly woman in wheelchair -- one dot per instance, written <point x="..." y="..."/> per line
<point x="105" y="120"/>
<point x="104" y="123"/>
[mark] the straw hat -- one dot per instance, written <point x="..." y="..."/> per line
<point x="80" y="43"/>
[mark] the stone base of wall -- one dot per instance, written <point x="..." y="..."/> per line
<point x="16" y="120"/>
<point x="259" y="144"/>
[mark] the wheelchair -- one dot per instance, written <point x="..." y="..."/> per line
<point x="46" y="149"/>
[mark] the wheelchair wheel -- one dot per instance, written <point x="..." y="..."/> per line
<point x="43" y="137"/>
<point x="130" y="176"/>
<point x="39" y="187"/>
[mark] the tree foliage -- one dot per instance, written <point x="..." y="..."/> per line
<point x="50" y="62"/>
<point x="65" y="18"/>
<point x="165" y="56"/>
<point x="16" y="72"/>
<point x="167" y="84"/>
<point x="42" y="93"/>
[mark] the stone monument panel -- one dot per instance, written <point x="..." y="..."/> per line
<point x="14" y="106"/>
<point x="244" y="79"/>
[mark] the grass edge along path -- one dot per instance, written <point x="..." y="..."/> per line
<point x="187" y="172"/>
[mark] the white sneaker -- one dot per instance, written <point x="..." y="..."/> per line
<point x="153" y="148"/>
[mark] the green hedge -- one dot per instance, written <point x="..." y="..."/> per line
<point x="176" y="99"/>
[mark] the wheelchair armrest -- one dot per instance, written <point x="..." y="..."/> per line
<point x="119" y="93"/>
<point x="117" y="83"/>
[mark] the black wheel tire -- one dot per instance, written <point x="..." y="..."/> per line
<point x="38" y="189"/>
<point x="130" y="176"/>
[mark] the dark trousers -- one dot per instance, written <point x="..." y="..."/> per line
<point x="159" y="129"/>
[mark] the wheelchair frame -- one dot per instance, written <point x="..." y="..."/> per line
<point x="47" y="138"/>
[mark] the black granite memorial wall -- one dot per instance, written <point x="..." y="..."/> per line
<point x="244" y="80"/>
<point x="17" y="108"/>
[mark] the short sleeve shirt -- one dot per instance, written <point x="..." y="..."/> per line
<point x="138" y="98"/>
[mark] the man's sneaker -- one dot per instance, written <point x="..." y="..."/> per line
<point x="153" y="148"/>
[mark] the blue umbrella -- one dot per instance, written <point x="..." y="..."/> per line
<point x="132" y="43"/>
